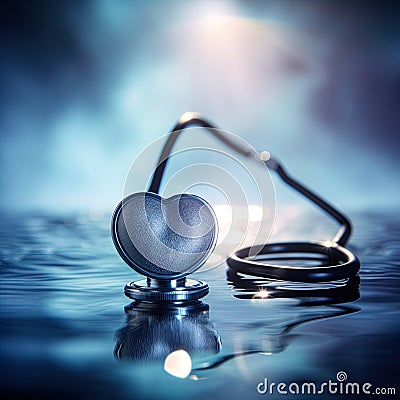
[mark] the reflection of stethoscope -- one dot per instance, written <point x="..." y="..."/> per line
<point x="161" y="331"/>
<point x="167" y="239"/>
<point x="183" y="338"/>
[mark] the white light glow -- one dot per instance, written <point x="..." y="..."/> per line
<point x="178" y="364"/>
<point x="265" y="156"/>
<point x="261" y="295"/>
<point x="255" y="213"/>
<point x="224" y="218"/>
<point x="187" y="116"/>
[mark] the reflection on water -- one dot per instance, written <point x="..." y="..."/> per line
<point x="62" y="316"/>
<point x="155" y="331"/>
<point x="308" y="294"/>
<point x="177" y="333"/>
<point x="273" y="338"/>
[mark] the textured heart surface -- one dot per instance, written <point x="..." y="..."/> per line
<point x="164" y="238"/>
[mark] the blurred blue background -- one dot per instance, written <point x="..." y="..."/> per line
<point x="86" y="85"/>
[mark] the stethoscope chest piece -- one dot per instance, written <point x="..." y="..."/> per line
<point x="159" y="291"/>
<point x="164" y="240"/>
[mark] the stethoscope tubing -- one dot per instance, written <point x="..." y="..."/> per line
<point x="342" y="262"/>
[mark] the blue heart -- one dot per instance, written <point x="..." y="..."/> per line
<point x="164" y="238"/>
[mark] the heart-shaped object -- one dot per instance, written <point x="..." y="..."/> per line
<point x="164" y="238"/>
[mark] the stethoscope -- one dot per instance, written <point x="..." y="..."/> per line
<point x="168" y="239"/>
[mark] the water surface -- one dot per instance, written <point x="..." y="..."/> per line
<point x="66" y="331"/>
